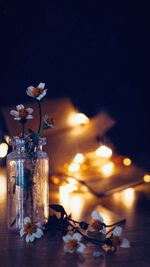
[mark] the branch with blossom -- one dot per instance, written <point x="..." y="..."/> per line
<point x="76" y="235"/>
<point x="23" y="114"/>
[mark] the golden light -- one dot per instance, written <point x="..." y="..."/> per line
<point x="46" y="200"/>
<point x="104" y="152"/>
<point x="79" y="158"/>
<point x="127" y="162"/>
<point x="67" y="188"/>
<point x="55" y="180"/>
<point x="107" y="169"/>
<point x="3" y="150"/>
<point x="127" y="197"/>
<point x="146" y="178"/>
<point x="74" y="167"/>
<point x="3" y="187"/>
<point x="7" y="138"/>
<point x="78" y="118"/>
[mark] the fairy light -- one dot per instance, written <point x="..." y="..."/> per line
<point x="74" y="167"/>
<point x="3" y="150"/>
<point x="78" y="118"/>
<point x="104" y="152"/>
<point x="79" y="158"/>
<point x="146" y="178"/>
<point x="127" y="161"/>
<point x="107" y="169"/>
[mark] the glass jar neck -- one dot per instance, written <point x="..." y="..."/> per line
<point x="18" y="144"/>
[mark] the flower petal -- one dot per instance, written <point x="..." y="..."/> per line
<point x="29" y="88"/>
<point x="117" y="231"/>
<point x="96" y="216"/>
<point x="14" y="113"/>
<point x="38" y="233"/>
<point x="81" y="248"/>
<point x="29" y="117"/>
<point x="41" y="85"/>
<point x="27" y="238"/>
<point x="32" y="237"/>
<point x="77" y="236"/>
<point x="125" y="243"/>
<point x="22" y="232"/>
<point x="29" y="93"/>
<point x="17" y="119"/>
<point x="66" y="238"/>
<point x="29" y="110"/>
<point x="19" y="107"/>
<point x="26" y="220"/>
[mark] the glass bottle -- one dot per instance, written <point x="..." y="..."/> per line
<point x="41" y="182"/>
<point x="28" y="185"/>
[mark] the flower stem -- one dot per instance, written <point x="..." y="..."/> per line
<point x="40" y="116"/>
<point x="120" y="222"/>
<point x="23" y="130"/>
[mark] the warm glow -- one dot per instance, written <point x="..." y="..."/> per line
<point x="7" y="138"/>
<point x="67" y="188"/>
<point x="3" y="187"/>
<point x="78" y="118"/>
<point x="3" y="150"/>
<point x="55" y="180"/>
<point x="74" y="167"/>
<point x="46" y="200"/>
<point x="126" y="197"/>
<point x="104" y="152"/>
<point x="79" y="158"/>
<point x="146" y="178"/>
<point x="127" y="162"/>
<point x="107" y="169"/>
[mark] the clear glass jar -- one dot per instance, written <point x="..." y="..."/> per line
<point x="28" y="185"/>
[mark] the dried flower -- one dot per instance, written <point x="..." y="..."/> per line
<point x="31" y="229"/>
<point x="117" y="240"/>
<point x="22" y="113"/>
<point x="98" y="223"/>
<point x="72" y="243"/>
<point x="37" y="92"/>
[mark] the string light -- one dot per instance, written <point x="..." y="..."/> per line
<point x="127" y="161"/>
<point x="107" y="169"/>
<point x="79" y="158"/>
<point x="104" y="152"/>
<point x="3" y="150"/>
<point x="78" y="118"/>
<point x="146" y="178"/>
<point x="74" y="167"/>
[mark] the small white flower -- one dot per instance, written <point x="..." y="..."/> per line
<point x="31" y="229"/>
<point x="97" y="224"/>
<point x="117" y="240"/>
<point x="37" y="92"/>
<point x="72" y="243"/>
<point x="22" y="113"/>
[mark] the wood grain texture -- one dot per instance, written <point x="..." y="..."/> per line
<point x="48" y="251"/>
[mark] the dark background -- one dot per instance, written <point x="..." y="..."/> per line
<point x="96" y="53"/>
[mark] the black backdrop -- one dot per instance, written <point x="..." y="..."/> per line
<point x="96" y="53"/>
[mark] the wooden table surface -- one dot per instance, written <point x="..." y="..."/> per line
<point x="132" y="204"/>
